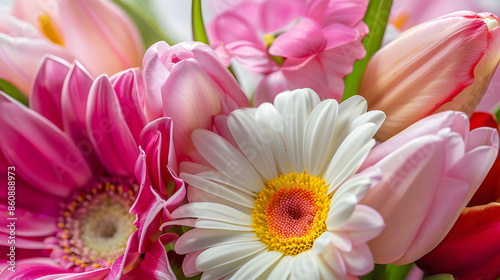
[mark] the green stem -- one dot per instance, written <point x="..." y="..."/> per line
<point x="199" y="33"/>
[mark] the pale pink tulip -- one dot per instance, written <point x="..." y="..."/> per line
<point x="190" y="84"/>
<point x="443" y="64"/>
<point x="97" y="33"/>
<point x="470" y="250"/>
<point x="295" y="44"/>
<point x="406" y="14"/>
<point x="430" y="172"/>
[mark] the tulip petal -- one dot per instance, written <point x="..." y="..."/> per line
<point x="180" y="94"/>
<point x="470" y="250"/>
<point x="411" y="176"/>
<point x="108" y="130"/>
<point x="19" y="59"/>
<point x="435" y="60"/>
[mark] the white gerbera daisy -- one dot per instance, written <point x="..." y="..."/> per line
<point x="280" y="199"/>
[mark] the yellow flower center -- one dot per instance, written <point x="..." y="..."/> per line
<point x="49" y="29"/>
<point x="290" y="212"/>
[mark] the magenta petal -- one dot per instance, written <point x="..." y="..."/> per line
<point x="31" y="223"/>
<point x="27" y="196"/>
<point x="108" y="131"/>
<point x="128" y="258"/>
<point x="33" y="269"/>
<point x="74" y="98"/>
<point x="304" y="39"/>
<point x="149" y="222"/>
<point x="45" y="97"/>
<point x="129" y="88"/>
<point x="43" y="155"/>
<point x="156" y="140"/>
<point x="155" y="264"/>
<point x="144" y="196"/>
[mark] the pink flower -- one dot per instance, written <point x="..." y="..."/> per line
<point x="443" y="64"/>
<point x="97" y="33"/>
<point x="430" y="172"/>
<point x="73" y="153"/>
<point x="190" y="84"/>
<point x="470" y="250"/>
<point x="295" y="44"/>
<point x="186" y="87"/>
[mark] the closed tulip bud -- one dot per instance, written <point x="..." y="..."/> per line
<point x="443" y="64"/>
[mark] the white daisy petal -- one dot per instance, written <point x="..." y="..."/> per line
<point x="282" y="269"/>
<point x="348" y="159"/>
<point x="226" y="158"/>
<point x="375" y="117"/>
<point x="196" y="195"/>
<point x="359" y="184"/>
<point x="252" y="143"/>
<point x="271" y="123"/>
<point x="212" y="211"/>
<point x="297" y="107"/>
<point x="318" y="137"/>
<point x="254" y="268"/>
<point x="224" y="181"/>
<point x="341" y="211"/>
<point x="221" y="255"/>
<point x="321" y="243"/>
<point x="227" y="270"/>
<point x="324" y="270"/>
<point x="210" y="224"/>
<point x="198" y="239"/>
<point x="233" y="195"/>
<point x="333" y="258"/>
<point x="304" y="267"/>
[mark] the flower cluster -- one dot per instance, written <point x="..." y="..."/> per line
<point x="169" y="169"/>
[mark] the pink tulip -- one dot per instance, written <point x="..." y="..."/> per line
<point x="190" y="84"/>
<point x="72" y="155"/>
<point x="470" y="250"/>
<point x="443" y="64"/>
<point x="97" y="33"/>
<point x="406" y="14"/>
<point x="295" y="44"/>
<point x="186" y="87"/>
<point x="443" y="164"/>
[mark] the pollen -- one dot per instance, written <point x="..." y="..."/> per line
<point x="49" y="29"/>
<point x="290" y="212"/>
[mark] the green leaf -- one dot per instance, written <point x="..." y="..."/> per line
<point x="497" y="114"/>
<point x="11" y="90"/>
<point x="199" y="33"/>
<point x="376" y="18"/>
<point x="440" y="277"/>
<point x="397" y="272"/>
<point x="388" y="272"/>
<point x="141" y="14"/>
